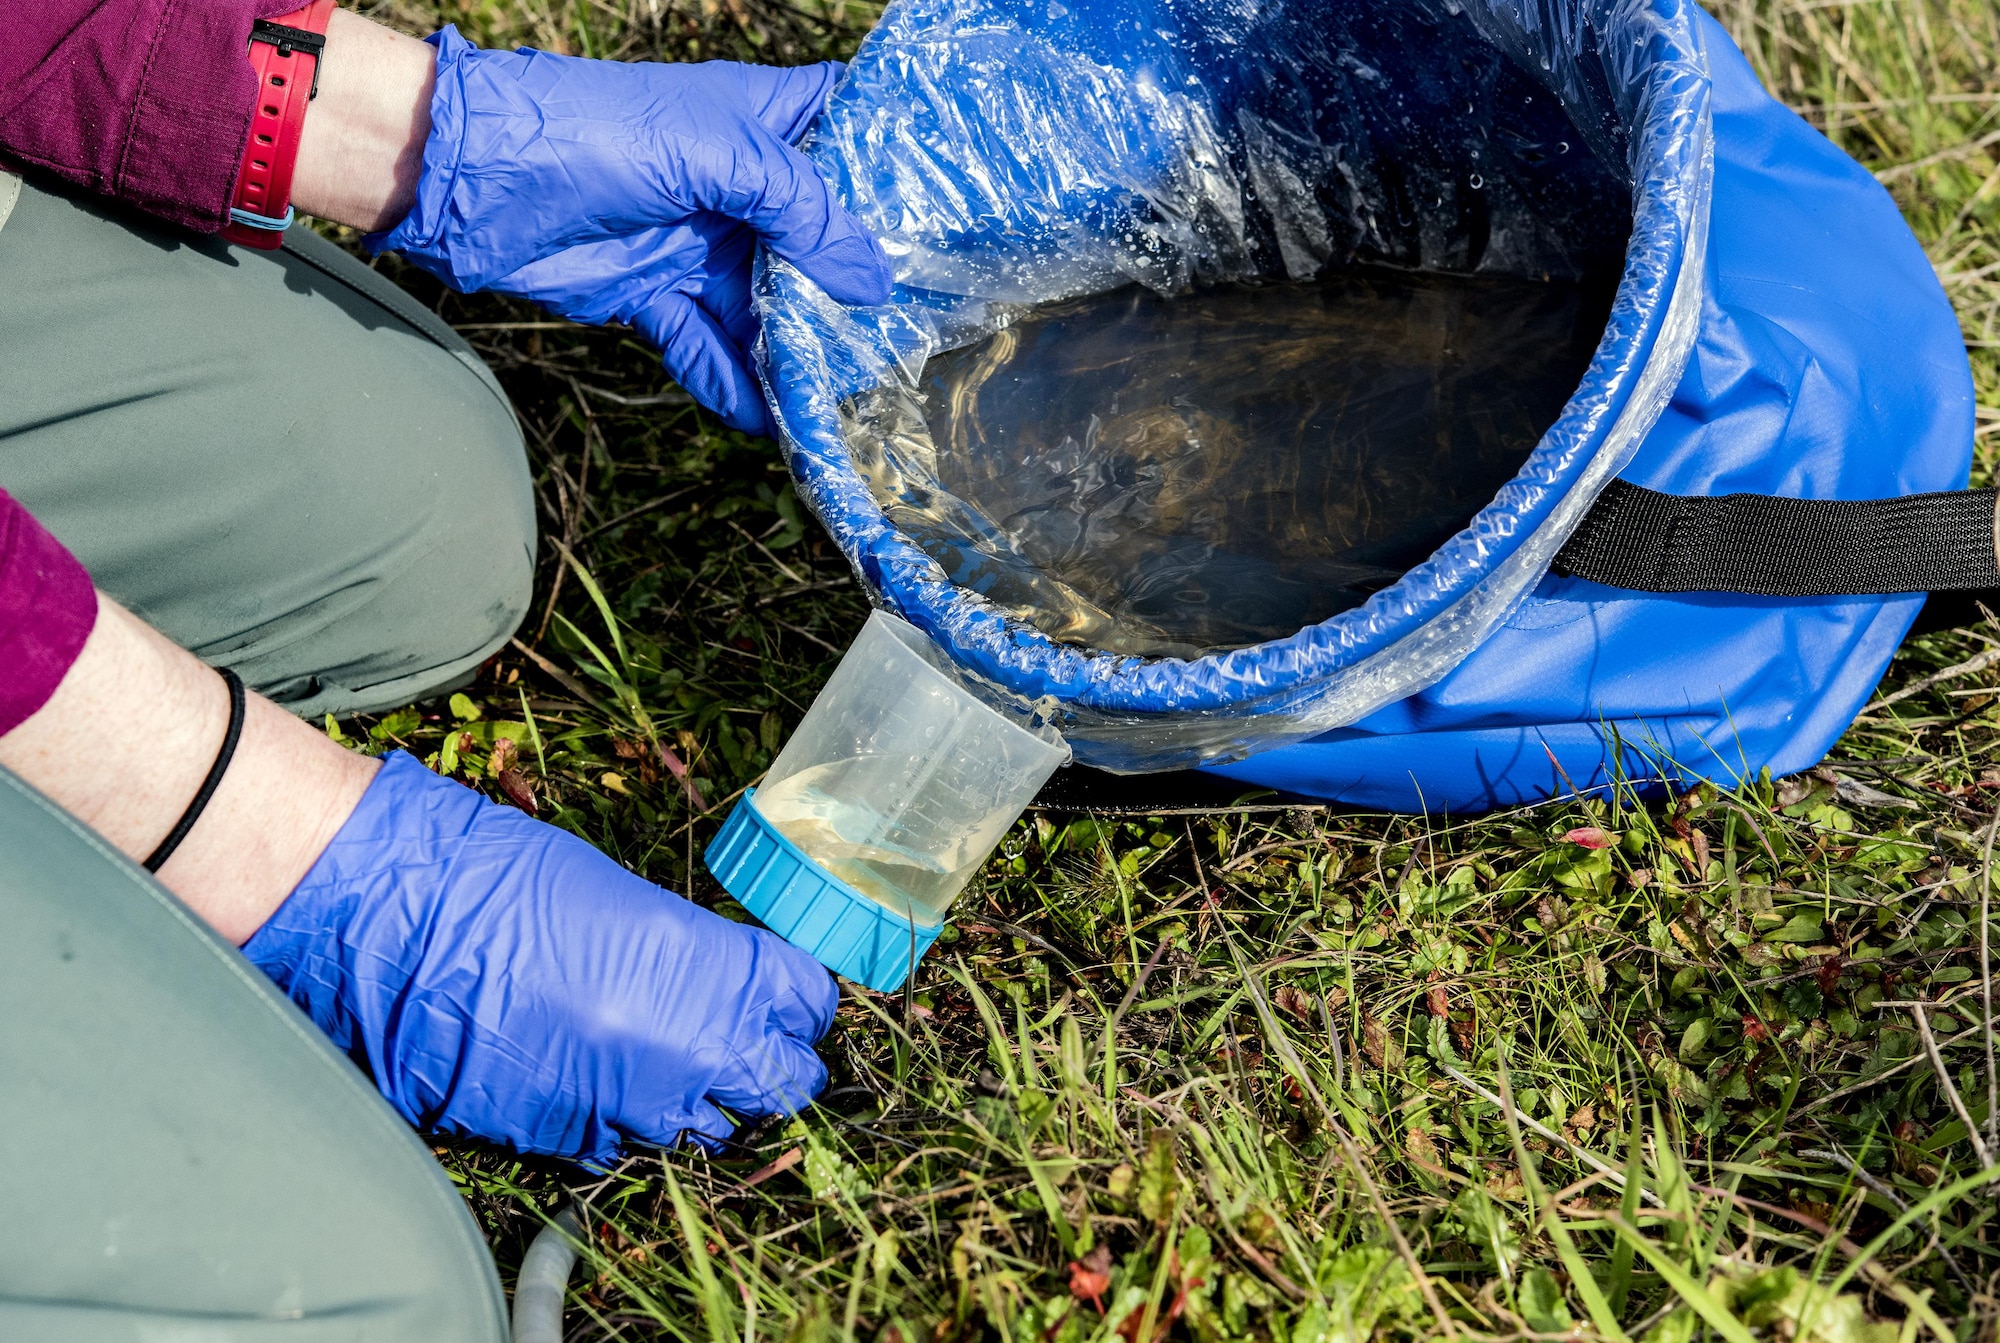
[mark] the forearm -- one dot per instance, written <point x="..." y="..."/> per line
<point x="124" y="743"/>
<point x="363" y="142"/>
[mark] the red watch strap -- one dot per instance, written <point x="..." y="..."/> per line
<point x="285" y="53"/>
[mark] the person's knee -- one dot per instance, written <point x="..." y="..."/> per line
<point x="449" y="573"/>
<point x="344" y="516"/>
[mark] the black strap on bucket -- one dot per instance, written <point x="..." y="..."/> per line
<point x="1758" y="544"/>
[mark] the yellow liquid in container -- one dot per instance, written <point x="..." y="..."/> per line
<point x="854" y="843"/>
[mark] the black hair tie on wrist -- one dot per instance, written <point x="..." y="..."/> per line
<point x="215" y="773"/>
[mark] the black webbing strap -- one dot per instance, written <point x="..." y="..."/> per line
<point x="1754" y="543"/>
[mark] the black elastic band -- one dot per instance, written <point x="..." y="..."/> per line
<point x="1758" y="544"/>
<point x="289" y="41"/>
<point x="215" y="773"/>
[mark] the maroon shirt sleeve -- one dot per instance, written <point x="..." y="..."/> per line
<point x="47" y="609"/>
<point x="147" y="101"/>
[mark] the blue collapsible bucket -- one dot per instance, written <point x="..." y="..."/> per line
<point x="1776" y="332"/>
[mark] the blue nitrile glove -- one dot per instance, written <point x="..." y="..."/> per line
<point x="500" y="977"/>
<point x="608" y="190"/>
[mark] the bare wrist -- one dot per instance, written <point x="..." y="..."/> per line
<point x="126" y="740"/>
<point x="362" y="147"/>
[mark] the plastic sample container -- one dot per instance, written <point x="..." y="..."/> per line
<point x="881" y="807"/>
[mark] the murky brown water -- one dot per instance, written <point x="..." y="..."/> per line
<point x="1176" y="476"/>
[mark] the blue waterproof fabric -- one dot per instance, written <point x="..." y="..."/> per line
<point x="1010" y="153"/>
<point x="1830" y="366"/>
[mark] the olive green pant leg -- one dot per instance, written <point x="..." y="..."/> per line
<point x="183" y="1156"/>
<point x="278" y="459"/>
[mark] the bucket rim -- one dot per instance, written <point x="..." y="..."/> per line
<point x="1409" y="634"/>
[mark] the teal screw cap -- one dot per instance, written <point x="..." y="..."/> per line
<point x="811" y="908"/>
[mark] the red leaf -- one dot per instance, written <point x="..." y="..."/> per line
<point x="1296" y="1001"/>
<point x="1090" y="1279"/>
<point x="519" y="792"/>
<point x="1590" y="837"/>
<point x="689" y="784"/>
<point x="1753" y="1029"/>
<point x="1374" y="1040"/>
<point x="1128" y="1328"/>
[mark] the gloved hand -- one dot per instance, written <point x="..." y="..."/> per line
<point x="633" y="191"/>
<point x="500" y="977"/>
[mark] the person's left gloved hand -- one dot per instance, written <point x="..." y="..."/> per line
<point x="607" y="190"/>
<point x="499" y="977"/>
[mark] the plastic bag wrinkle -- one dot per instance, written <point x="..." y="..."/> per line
<point x="1132" y="162"/>
<point x="1167" y="477"/>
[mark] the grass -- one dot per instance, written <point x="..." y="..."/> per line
<point x="1588" y="1069"/>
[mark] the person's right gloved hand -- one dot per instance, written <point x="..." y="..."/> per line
<point x="608" y="190"/>
<point x="502" y="978"/>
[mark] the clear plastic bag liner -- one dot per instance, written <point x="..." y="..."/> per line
<point x="1177" y="476"/>
<point x="1014" y="155"/>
